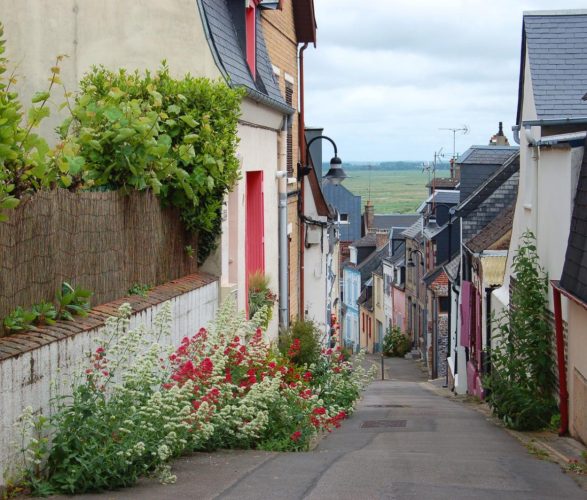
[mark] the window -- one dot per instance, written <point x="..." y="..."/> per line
<point x="289" y="101"/>
<point x="343" y="218"/>
<point x="443" y="303"/>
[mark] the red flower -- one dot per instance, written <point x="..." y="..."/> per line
<point x="319" y="411"/>
<point x="296" y="436"/>
<point x="100" y="350"/>
<point x="308" y="376"/>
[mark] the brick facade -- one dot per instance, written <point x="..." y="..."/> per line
<point x="280" y="37"/>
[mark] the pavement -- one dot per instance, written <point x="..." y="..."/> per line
<point x="405" y="441"/>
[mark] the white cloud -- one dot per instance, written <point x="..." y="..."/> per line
<point x="388" y="74"/>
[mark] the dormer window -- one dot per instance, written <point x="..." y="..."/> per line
<point x="251" y="35"/>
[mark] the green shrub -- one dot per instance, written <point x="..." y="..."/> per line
<point x="522" y="380"/>
<point x="395" y="343"/>
<point x="301" y="343"/>
<point x="177" y="137"/>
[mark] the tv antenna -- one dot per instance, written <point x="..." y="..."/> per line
<point x="464" y="129"/>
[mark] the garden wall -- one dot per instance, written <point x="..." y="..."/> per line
<point x="101" y="241"/>
<point x="30" y="362"/>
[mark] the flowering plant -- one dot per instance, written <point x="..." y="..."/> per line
<point x="136" y="404"/>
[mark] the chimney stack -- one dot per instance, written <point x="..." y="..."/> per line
<point x="499" y="139"/>
<point x="369" y="216"/>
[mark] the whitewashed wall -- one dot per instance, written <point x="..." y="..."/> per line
<point x="26" y="379"/>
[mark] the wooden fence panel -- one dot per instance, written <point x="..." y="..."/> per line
<point x="102" y="241"/>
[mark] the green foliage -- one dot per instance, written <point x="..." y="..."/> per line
<point x="260" y="296"/>
<point x="522" y="380"/>
<point x="139" y="289"/>
<point x="177" y="137"/>
<point x="301" y="343"/>
<point x="45" y="313"/>
<point x="24" y="164"/>
<point x="19" y="320"/>
<point x="72" y="302"/>
<point x="395" y="343"/>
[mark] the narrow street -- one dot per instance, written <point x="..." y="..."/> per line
<point x="403" y="442"/>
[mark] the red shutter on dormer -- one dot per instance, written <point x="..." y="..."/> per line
<point x="251" y="34"/>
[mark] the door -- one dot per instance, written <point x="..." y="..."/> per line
<point x="254" y="226"/>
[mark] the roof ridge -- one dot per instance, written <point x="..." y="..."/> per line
<point x="558" y="12"/>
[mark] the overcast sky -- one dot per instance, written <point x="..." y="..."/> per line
<point x="388" y="74"/>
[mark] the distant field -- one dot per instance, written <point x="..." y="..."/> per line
<point x="392" y="191"/>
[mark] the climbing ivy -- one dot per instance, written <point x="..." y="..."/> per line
<point x="522" y="380"/>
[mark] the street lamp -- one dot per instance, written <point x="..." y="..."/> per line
<point x="336" y="174"/>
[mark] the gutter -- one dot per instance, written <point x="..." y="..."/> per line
<point x="261" y="98"/>
<point x="303" y="156"/>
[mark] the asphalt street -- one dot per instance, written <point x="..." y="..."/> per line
<point x="403" y="442"/>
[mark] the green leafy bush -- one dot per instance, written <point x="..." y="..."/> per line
<point x="19" y="320"/>
<point x="522" y="380"/>
<point x="301" y="343"/>
<point x="395" y="343"/>
<point x="177" y="137"/>
<point x="72" y="302"/>
<point x="24" y="159"/>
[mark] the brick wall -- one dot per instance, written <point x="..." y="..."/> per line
<point x="279" y="31"/>
<point x="280" y="38"/>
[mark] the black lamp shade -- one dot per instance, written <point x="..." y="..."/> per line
<point x="336" y="174"/>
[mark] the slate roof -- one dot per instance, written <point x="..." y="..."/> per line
<point x="493" y="236"/>
<point x="388" y="221"/>
<point x="414" y="232"/>
<point x="226" y="47"/>
<point x="487" y="188"/>
<point x="556" y="44"/>
<point x="441" y="196"/>
<point x="452" y="268"/>
<point x="371" y="263"/>
<point x="478" y="163"/>
<point x="574" y="276"/>
<point x="443" y="183"/>
<point x="398" y="257"/>
<point x="369" y="240"/>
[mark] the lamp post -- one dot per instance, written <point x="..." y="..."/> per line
<point x="336" y="174"/>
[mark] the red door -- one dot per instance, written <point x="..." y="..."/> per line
<point x="254" y="225"/>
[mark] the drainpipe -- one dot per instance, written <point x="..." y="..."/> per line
<point x="562" y="368"/>
<point x="283" y="246"/>
<point x="304" y="162"/>
<point x="531" y="187"/>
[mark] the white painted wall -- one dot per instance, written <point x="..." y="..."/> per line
<point x="257" y="150"/>
<point x="26" y="380"/>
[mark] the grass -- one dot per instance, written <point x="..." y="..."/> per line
<point x="392" y="191"/>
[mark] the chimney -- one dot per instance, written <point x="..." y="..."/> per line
<point x="381" y="238"/>
<point x="369" y="216"/>
<point x="499" y="139"/>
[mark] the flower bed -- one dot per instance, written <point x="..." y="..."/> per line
<point x="134" y="405"/>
